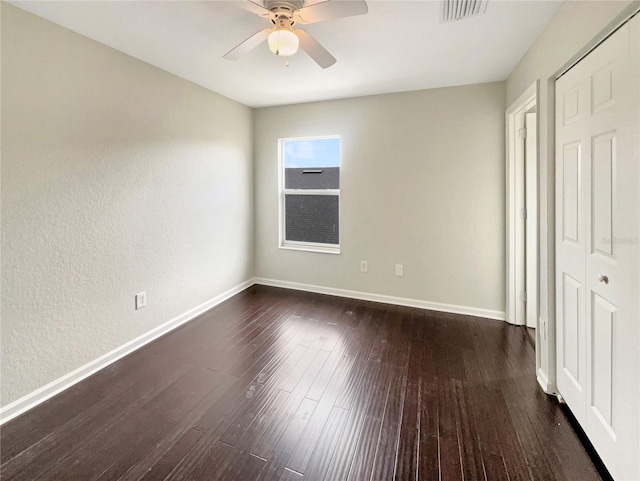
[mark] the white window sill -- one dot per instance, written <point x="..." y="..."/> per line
<point x="311" y="248"/>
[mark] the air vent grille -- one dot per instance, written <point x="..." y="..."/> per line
<point x="453" y="10"/>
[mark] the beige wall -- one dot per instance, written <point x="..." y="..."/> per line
<point x="575" y="26"/>
<point x="422" y="184"/>
<point x="116" y="178"/>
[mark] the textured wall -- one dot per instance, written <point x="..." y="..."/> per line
<point x="116" y="178"/>
<point x="422" y="184"/>
<point x="573" y="26"/>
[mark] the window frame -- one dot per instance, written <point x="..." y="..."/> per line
<point x="283" y="243"/>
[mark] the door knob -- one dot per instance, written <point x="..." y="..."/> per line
<point x="603" y="278"/>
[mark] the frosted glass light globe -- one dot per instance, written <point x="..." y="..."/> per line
<point x="283" y="42"/>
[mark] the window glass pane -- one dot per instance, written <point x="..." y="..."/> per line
<point x="318" y="178"/>
<point x="310" y="153"/>
<point x="312" y="163"/>
<point x="312" y="218"/>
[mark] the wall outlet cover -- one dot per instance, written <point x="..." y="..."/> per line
<point x="141" y="300"/>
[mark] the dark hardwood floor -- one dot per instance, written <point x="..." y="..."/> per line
<point x="531" y="332"/>
<point x="285" y="385"/>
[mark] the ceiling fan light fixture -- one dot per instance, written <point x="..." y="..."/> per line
<point x="282" y="39"/>
<point x="283" y="42"/>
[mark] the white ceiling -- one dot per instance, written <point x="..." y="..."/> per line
<point x="398" y="46"/>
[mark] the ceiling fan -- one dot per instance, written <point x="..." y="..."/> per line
<point x="283" y="40"/>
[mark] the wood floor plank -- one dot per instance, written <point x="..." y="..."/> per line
<point x="16" y="436"/>
<point x="249" y="468"/>
<point x="333" y="333"/>
<point x="285" y="359"/>
<point x="270" y="354"/>
<point x="398" y="355"/>
<point x="387" y="449"/>
<point x="219" y="458"/>
<point x="274" y="384"/>
<point x="306" y="370"/>
<point x="470" y="449"/>
<point x="380" y="394"/>
<point x="264" y="443"/>
<point x="180" y="439"/>
<point x="255" y="347"/>
<point x="340" y="464"/>
<point x="310" y="437"/>
<point x="288" y="475"/>
<point x="113" y="456"/>
<point x="512" y="451"/>
<point x="416" y="361"/>
<point x="335" y="369"/>
<point x="101" y="420"/>
<point x="282" y="451"/>
<point x="328" y="389"/>
<point x="450" y="455"/>
<point x="364" y="454"/>
<point x="257" y="411"/>
<point x="238" y="464"/>
<point x="183" y="395"/>
<point x="264" y="421"/>
<point x="325" y="448"/>
<point x="381" y="342"/>
<point x="354" y="379"/>
<point x="408" y="444"/>
<point x="163" y="466"/>
<point x="214" y="423"/>
<point x="429" y="435"/>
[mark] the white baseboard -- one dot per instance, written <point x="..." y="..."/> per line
<point x="401" y="301"/>
<point x="543" y="381"/>
<point x="40" y="395"/>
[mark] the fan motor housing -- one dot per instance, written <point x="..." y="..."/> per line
<point x="280" y="7"/>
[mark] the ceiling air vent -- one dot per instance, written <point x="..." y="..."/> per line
<point x="453" y="10"/>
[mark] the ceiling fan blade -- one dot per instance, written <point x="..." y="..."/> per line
<point x="255" y="8"/>
<point x="248" y="45"/>
<point x="316" y="51"/>
<point x="329" y="10"/>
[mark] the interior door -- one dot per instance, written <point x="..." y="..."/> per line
<point x="597" y="247"/>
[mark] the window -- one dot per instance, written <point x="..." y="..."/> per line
<point x="310" y="194"/>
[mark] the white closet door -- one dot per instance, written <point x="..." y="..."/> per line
<point x="572" y="153"/>
<point x="597" y="247"/>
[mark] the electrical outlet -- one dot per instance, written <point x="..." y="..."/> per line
<point x="141" y="300"/>
<point x="364" y="266"/>
<point x="399" y="270"/>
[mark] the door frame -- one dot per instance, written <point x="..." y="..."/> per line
<point x="515" y="200"/>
